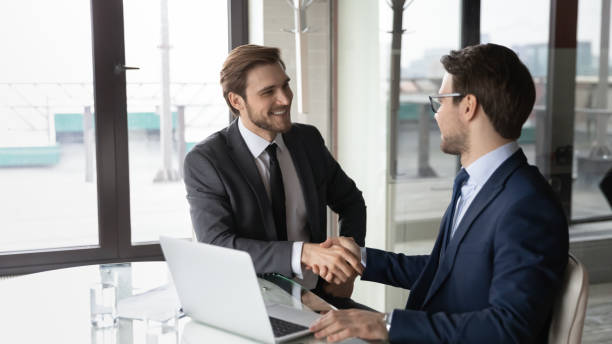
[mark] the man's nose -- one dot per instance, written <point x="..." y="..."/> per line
<point x="284" y="97"/>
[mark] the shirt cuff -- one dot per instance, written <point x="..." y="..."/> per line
<point x="363" y="256"/>
<point x="296" y="259"/>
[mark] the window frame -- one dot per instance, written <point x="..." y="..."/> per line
<point x="113" y="188"/>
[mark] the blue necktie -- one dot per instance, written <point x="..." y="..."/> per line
<point x="461" y="178"/>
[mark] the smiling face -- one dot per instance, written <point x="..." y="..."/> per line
<point x="266" y="108"/>
<point x="453" y="132"/>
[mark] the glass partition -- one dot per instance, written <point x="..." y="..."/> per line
<point x="48" y="192"/>
<point x="174" y="101"/>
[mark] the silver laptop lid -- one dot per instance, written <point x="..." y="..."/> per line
<point x="218" y="286"/>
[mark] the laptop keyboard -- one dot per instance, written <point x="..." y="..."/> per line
<point x="283" y="328"/>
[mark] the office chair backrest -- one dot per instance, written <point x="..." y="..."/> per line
<point x="570" y="306"/>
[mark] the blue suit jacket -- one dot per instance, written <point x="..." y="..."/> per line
<point x="496" y="280"/>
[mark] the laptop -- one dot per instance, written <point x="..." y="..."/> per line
<point x="218" y="286"/>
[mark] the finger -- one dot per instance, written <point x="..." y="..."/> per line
<point x="340" y="335"/>
<point x="329" y="277"/>
<point x="355" y="262"/>
<point x="338" y="274"/>
<point x="341" y="269"/>
<point x="331" y="326"/>
<point x="348" y="242"/>
<point x="314" y="268"/>
<point x="323" y="321"/>
<point x="322" y="271"/>
<point x="326" y="244"/>
<point x="335" y="279"/>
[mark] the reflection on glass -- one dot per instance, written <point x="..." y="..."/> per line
<point x="174" y="101"/>
<point x="525" y="32"/>
<point x="47" y="155"/>
<point x="422" y="189"/>
<point x="592" y="149"/>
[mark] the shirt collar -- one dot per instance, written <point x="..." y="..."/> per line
<point x="481" y="169"/>
<point x="256" y="143"/>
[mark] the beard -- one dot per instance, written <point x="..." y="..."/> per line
<point x="455" y="144"/>
<point x="268" y="122"/>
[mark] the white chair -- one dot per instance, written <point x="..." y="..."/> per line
<point x="570" y="306"/>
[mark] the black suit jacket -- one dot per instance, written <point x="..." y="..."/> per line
<point x="496" y="280"/>
<point x="230" y="207"/>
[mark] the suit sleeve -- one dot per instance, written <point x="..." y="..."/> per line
<point x="530" y="255"/>
<point x="394" y="269"/>
<point x="213" y="218"/>
<point x="344" y="198"/>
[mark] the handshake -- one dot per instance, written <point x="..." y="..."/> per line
<point x="337" y="260"/>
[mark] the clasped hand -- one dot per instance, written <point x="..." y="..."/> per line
<point x="337" y="260"/>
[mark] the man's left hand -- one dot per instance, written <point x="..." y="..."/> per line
<point x="348" y="323"/>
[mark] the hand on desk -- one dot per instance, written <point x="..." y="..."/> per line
<point x="334" y="263"/>
<point x="345" y="243"/>
<point x="348" y="323"/>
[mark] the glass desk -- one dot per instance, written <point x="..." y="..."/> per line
<point x="54" y="307"/>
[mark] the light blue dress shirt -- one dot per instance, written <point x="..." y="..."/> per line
<point x="480" y="171"/>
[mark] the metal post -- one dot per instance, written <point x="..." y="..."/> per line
<point x="51" y="125"/>
<point x="560" y="98"/>
<point x="394" y="80"/>
<point x="470" y="33"/>
<point x="180" y="133"/>
<point x="301" y="56"/>
<point x="301" y="52"/>
<point x="600" y="148"/>
<point x="166" y="173"/>
<point x="424" y="169"/>
<point x="88" y="143"/>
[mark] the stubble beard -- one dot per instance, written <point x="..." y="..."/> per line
<point x="455" y="145"/>
<point x="260" y="121"/>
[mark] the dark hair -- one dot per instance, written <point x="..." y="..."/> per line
<point x="499" y="80"/>
<point x="239" y="62"/>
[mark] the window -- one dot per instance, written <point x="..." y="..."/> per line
<point x="47" y="146"/>
<point x="174" y="101"/>
<point x="78" y="157"/>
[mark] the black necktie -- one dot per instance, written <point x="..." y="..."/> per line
<point x="461" y="177"/>
<point x="277" y="194"/>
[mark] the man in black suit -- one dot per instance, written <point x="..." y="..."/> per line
<point x="263" y="183"/>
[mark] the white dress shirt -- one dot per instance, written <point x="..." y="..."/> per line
<point x="479" y="173"/>
<point x="295" y="205"/>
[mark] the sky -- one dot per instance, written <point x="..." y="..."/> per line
<point x="435" y="24"/>
<point x="50" y="42"/>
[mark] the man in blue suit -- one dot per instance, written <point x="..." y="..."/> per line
<point x="501" y="251"/>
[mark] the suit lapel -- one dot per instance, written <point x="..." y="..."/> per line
<point x="487" y="194"/>
<point x="242" y="157"/>
<point x="304" y="173"/>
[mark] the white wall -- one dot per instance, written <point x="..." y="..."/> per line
<point x="362" y="123"/>
<point x="267" y="21"/>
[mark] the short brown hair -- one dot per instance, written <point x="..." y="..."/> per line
<point x="239" y="62"/>
<point x="499" y="80"/>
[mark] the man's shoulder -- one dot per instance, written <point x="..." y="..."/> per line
<point x="211" y="146"/>
<point x="303" y="128"/>
<point x="528" y="188"/>
<point x="305" y="132"/>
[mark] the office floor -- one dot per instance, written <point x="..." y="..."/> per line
<point x="598" y="322"/>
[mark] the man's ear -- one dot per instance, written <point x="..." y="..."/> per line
<point x="470" y="105"/>
<point x="236" y="101"/>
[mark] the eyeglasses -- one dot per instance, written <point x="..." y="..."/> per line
<point x="435" y="102"/>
